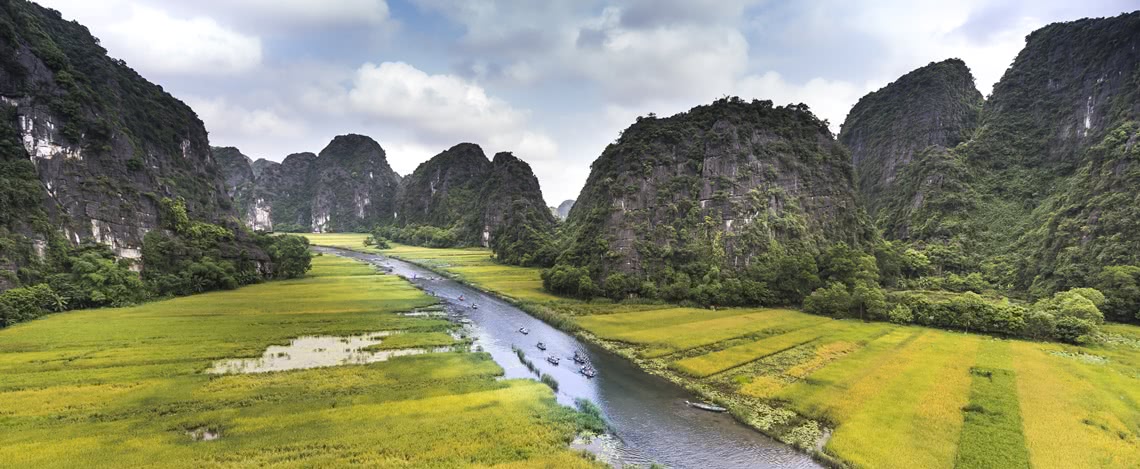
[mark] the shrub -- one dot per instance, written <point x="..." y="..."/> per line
<point x="618" y="286"/>
<point x="549" y="381"/>
<point x="833" y="300"/>
<point x="900" y="314"/>
<point x="1121" y="287"/>
<point x="1075" y="303"/>
<point x="27" y="303"/>
<point x="378" y="241"/>
<point x="1075" y="330"/>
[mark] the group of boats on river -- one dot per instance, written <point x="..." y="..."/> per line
<point x="579" y="358"/>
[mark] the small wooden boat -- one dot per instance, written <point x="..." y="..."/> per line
<point x="708" y="407"/>
<point x="541" y="346"/>
<point x="524" y="331"/>
<point x="553" y="360"/>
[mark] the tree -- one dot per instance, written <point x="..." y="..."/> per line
<point x="618" y="286"/>
<point x="1075" y="303"/>
<point x="833" y="300"/>
<point x="869" y="300"/>
<point x="290" y="256"/>
<point x="1121" y="287"/>
<point x="106" y="282"/>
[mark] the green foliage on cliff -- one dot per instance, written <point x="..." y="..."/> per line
<point x="1039" y="197"/>
<point x="730" y="203"/>
<point x="459" y="198"/>
<point x="187" y="256"/>
<point x="99" y="94"/>
<point x="935" y="105"/>
<point x="190" y="256"/>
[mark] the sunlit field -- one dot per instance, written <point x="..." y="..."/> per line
<point x="127" y="387"/>
<point x="896" y="396"/>
<point x="471" y="265"/>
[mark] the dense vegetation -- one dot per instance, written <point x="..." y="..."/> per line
<point x="986" y="227"/>
<point x="460" y="198"/>
<point x="731" y="203"/>
<point x="936" y="105"/>
<point x="1038" y="198"/>
<point x="182" y="258"/>
<point x="125" y="140"/>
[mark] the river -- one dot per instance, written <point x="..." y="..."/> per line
<point x="647" y="413"/>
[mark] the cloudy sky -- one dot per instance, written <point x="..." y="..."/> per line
<point x="553" y="81"/>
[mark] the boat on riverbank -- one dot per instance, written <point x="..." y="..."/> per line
<point x="708" y="407"/>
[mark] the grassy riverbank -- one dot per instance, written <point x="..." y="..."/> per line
<point x="896" y="396"/>
<point x="127" y="387"/>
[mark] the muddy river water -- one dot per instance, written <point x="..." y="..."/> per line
<point x="650" y="420"/>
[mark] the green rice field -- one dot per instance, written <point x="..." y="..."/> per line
<point x="895" y="396"/>
<point x="128" y="387"/>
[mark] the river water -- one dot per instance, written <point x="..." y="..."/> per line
<point x="648" y="414"/>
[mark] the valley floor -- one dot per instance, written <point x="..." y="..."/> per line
<point x="896" y="396"/>
<point x="129" y="387"/>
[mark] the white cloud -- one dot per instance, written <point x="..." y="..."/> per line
<point x="322" y="12"/>
<point x="293" y="15"/>
<point x="404" y="155"/>
<point x="828" y="99"/>
<point x="154" y="42"/>
<point x="424" y="114"/>
<point x="634" y="65"/>
<point x="437" y="105"/>
<point x="233" y="122"/>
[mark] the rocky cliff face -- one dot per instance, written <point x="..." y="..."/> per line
<point x="1041" y="196"/>
<point x="721" y="184"/>
<point x="563" y="209"/>
<point x="106" y="145"/>
<point x="936" y="105"/>
<point x="511" y="194"/>
<point x="1070" y="85"/>
<point x="348" y="187"/>
<point x="444" y="192"/>
<point x="355" y="187"/>
<point x="460" y="189"/>
<point x="237" y="170"/>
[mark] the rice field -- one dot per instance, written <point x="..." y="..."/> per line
<point x="470" y="265"/>
<point x="128" y="387"/>
<point x="894" y="396"/>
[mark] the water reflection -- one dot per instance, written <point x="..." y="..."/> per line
<point x="319" y="351"/>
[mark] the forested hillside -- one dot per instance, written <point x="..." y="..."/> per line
<point x="103" y="175"/>
<point x="728" y="203"/>
<point x="936" y="105"/>
<point x="1039" y="197"/>
<point x="460" y="198"/>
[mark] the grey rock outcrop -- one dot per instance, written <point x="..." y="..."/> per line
<point x="107" y="145"/>
<point x="348" y="187"/>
